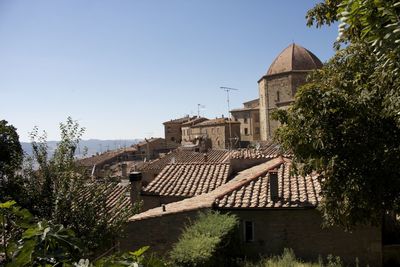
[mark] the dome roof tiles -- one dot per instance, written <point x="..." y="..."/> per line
<point x="294" y="58"/>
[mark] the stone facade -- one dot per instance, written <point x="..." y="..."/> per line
<point x="222" y="133"/>
<point x="302" y="231"/>
<point x="273" y="230"/>
<point x="159" y="233"/>
<point x="190" y="134"/>
<point x="249" y="118"/>
<point x="173" y="131"/>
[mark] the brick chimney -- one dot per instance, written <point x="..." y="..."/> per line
<point x="135" y="179"/>
<point x="124" y="172"/>
<point x="273" y="184"/>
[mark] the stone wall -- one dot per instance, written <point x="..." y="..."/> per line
<point x="249" y="124"/>
<point x="301" y="230"/>
<point x="173" y="132"/>
<point x="160" y="233"/>
<point x="276" y="91"/>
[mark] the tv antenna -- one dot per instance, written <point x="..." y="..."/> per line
<point x="199" y="106"/>
<point x="227" y="90"/>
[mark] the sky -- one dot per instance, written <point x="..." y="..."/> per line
<point x="123" y="67"/>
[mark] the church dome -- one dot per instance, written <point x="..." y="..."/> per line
<point x="294" y="58"/>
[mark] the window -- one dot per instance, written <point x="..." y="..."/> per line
<point x="257" y="131"/>
<point x="248" y="231"/>
<point x="173" y="139"/>
<point x="246" y="131"/>
<point x="257" y="118"/>
<point x="245" y="120"/>
<point x="277" y="96"/>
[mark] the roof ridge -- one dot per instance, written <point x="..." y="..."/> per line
<point x="253" y="177"/>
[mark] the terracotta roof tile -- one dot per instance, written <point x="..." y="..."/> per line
<point x="266" y="150"/>
<point x="250" y="190"/>
<point x="293" y="191"/>
<point x="188" y="179"/>
<point x="180" y="120"/>
<point x="218" y="121"/>
<point x="186" y="156"/>
<point x="99" y="159"/>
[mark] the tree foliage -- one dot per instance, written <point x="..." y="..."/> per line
<point x="375" y="22"/>
<point x="209" y="241"/>
<point x="345" y="121"/>
<point x="55" y="188"/>
<point x="339" y="126"/>
<point x="10" y="155"/>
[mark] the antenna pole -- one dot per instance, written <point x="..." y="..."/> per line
<point x="198" y="110"/>
<point x="227" y="90"/>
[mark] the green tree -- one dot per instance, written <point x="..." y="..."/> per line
<point x="55" y="188"/>
<point x="345" y="121"/>
<point x="10" y="156"/>
<point x="375" y="23"/>
<point x="339" y="126"/>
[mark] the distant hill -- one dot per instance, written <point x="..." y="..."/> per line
<point x="93" y="146"/>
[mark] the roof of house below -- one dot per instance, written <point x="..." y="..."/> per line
<point x="188" y="179"/>
<point x="250" y="189"/>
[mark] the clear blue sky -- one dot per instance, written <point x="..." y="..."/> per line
<point x="121" y="68"/>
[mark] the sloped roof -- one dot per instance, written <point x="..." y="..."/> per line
<point x="99" y="159"/>
<point x="207" y="200"/>
<point x="194" y="121"/>
<point x="213" y="122"/>
<point x="294" y="191"/>
<point x="249" y="190"/>
<point x="180" y="120"/>
<point x="188" y="179"/>
<point x="294" y="58"/>
<point x="187" y="156"/>
<point x="118" y="197"/>
<point x="265" y="149"/>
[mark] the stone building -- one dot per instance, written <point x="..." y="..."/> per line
<point x="221" y="132"/>
<point x="249" y="118"/>
<point x="173" y="131"/>
<point x="277" y="210"/>
<point x="189" y="134"/>
<point x="279" y="85"/>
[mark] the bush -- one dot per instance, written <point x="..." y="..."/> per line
<point x="288" y="259"/>
<point x="209" y="241"/>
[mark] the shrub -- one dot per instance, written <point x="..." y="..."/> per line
<point x="209" y="241"/>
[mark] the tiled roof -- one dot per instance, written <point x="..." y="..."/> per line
<point x="180" y="120"/>
<point x="217" y="121"/>
<point x="99" y="159"/>
<point x="187" y="156"/>
<point x="188" y="179"/>
<point x="294" y="191"/>
<point x="266" y="150"/>
<point x="208" y="200"/>
<point x="118" y="197"/>
<point x="250" y="190"/>
<point x="194" y="121"/>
